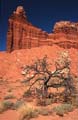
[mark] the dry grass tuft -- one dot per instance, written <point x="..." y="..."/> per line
<point x="63" y="109"/>
<point x="26" y="111"/>
<point x="5" y="105"/>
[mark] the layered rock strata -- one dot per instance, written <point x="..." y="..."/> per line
<point x="22" y="34"/>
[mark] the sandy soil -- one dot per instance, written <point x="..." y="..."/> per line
<point x="10" y="75"/>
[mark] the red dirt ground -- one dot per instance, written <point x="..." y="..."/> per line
<point x="10" y="73"/>
<point x="13" y="115"/>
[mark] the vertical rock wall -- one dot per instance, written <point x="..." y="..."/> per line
<point x="22" y="34"/>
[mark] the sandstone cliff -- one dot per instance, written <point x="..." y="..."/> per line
<point x="66" y="27"/>
<point x="22" y="34"/>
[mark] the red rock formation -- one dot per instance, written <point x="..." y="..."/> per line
<point x="68" y="30"/>
<point x="66" y="27"/>
<point x="22" y="34"/>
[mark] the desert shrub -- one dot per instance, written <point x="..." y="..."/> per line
<point x="48" y="101"/>
<point x="41" y="102"/>
<point x="44" y="111"/>
<point x="40" y="72"/>
<point x="27" y="112"/>
<point x="9" y="96"/>
<point x="63" y="109"/>
<point x="8" y="104"/>
<point x="27" y="93"/>
<point x="44" y="102"/>
<point x="5" y="105"/>
<point x="18" y="104"/>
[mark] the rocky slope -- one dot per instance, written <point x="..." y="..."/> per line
<point x="10" y="76"/>
<point x="11" y="63"/>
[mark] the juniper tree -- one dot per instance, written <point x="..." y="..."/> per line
<point x="40" y="71"/>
